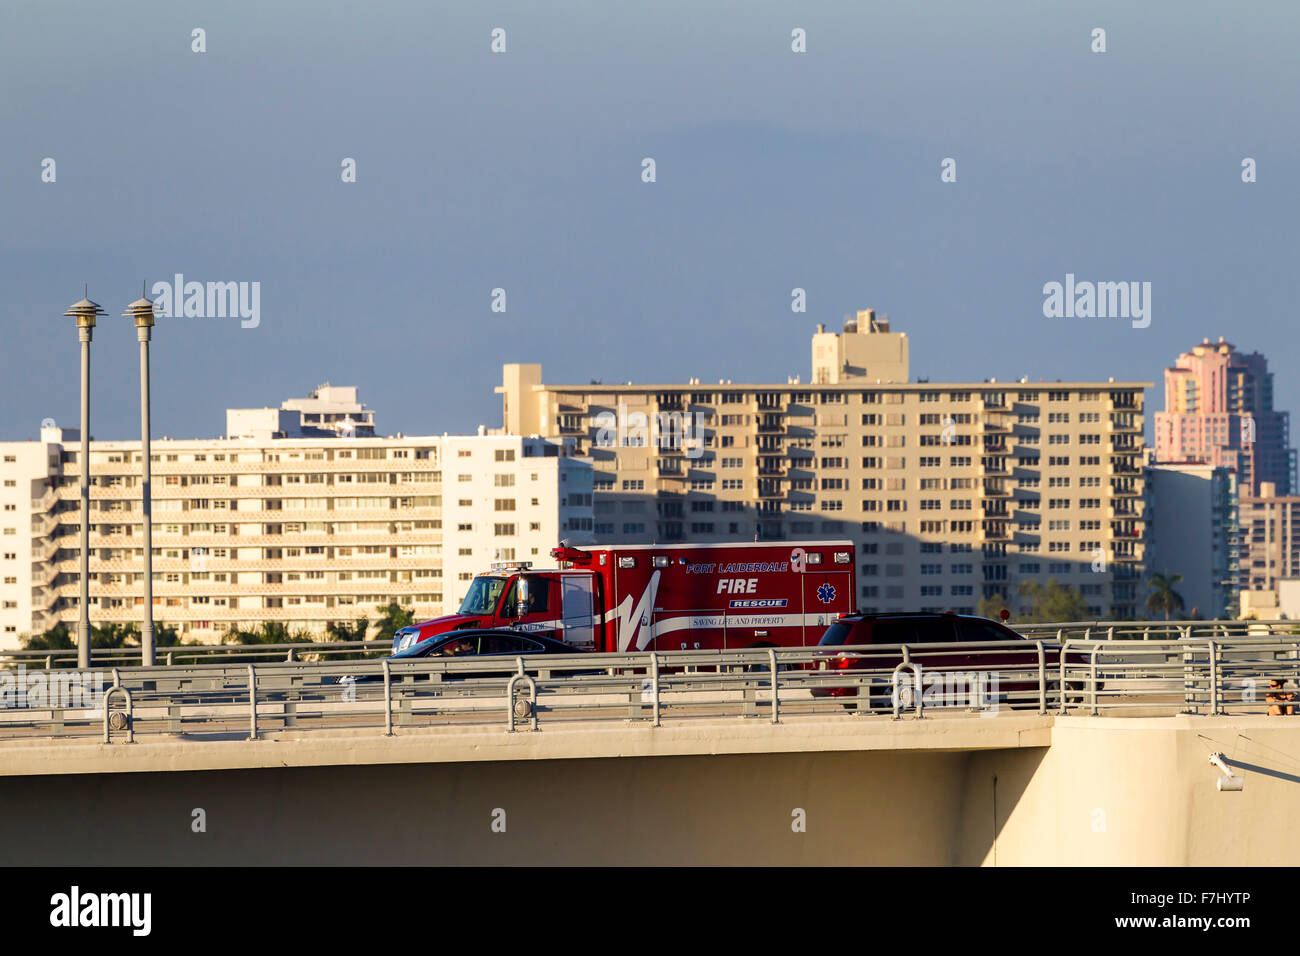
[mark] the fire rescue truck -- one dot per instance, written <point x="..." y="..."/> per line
<point x="663" y="597"/>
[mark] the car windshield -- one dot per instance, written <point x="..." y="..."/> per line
<point x="483" y="596"/>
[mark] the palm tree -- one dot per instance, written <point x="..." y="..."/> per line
<point x="1163" y="597"/>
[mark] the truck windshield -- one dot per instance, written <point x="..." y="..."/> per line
<point x="483" y="595"/>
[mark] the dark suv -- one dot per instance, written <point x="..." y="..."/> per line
<point x="946" y="646"/>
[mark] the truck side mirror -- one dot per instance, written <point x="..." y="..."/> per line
<point x="521" y="605"/>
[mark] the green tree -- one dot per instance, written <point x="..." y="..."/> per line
<point x="991" y="607"/>
<point x="343" y="631"/>
<point x="269" y="632"/>
<point x="57" y="638"/>
<point x="1163" y="597"/>
<point x="1050" y="604"/>
<point x="392" y="619"/>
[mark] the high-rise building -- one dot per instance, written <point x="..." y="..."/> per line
<point x="952" y="492"/>
<point x="302" y="531"/>
<point x="1219" y="411"/>
<point x="1270" y="530"/>
<point x="1192" y="530"/>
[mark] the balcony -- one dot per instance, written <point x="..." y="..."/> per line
<point x="770" y="489"/>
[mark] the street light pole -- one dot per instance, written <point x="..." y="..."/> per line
<point x="85" y="312"/>
<point x="142" y="311"/>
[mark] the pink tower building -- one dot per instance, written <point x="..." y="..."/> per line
<point x="1219" y="411"/>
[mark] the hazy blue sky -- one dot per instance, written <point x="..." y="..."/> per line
<point x="522" y="170"/>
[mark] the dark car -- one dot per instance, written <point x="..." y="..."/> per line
<point x="489" y="643"/>
<point x="965" y="657"/>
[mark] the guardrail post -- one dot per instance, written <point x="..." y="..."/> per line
<point x="654" y="686"/>
<point x="1060" y="687"/>
<point x="289" y="657"/>
<point x="169" y="658"/>
<point x="1214" y="677"/>
<point x="510" y="698"/>
<point x="1092" y="678"/>
<point x="776" y="697"/>
<point x="896" y="697"/>
<point x="1042" y="679"/>
<point x="252" y="703"/>
<point x="388" y="699"/>
<point x="1191" y="703"/>
<point x="130" y="713"/>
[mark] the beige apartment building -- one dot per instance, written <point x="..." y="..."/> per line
<point x="952" y="492"/>
<point x="300" y="530"/>
<point x="1270" y="542"/>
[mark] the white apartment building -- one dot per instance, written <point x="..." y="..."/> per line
<point x="952" y="492"/>
<point x="304" y="531"/>
<point x="509" y="499"/>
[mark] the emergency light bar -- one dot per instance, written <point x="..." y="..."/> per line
<point x="510" y="565"/>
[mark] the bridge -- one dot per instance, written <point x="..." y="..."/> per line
<point x="991" y="754"/>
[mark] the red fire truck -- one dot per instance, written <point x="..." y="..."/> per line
<point x="663" y="597"/>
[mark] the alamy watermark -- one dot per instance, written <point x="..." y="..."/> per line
<point x="977" y="690"/>
<point x="208" y="300"/>
<point x="663" y="430"/>
<point x="1100" y="300"/>
<point x="55" y="690"/>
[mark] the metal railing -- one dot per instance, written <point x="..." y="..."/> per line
<point x="1157" y="630"/>
<point x="516" y="694"/>
<point x="324" y="650"/>
<point x="200" y="653"/>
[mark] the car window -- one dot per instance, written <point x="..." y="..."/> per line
<point x="985" y="631"/>
<point x="836" y="635"/>
<point x="935" y="631"/>
<point x="893" y="632"/>
<point x="505" y="644"/>
<point x="460" y="647"/>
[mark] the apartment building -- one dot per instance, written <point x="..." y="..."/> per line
<point x="952" y="492"/>
<point x="1192" y="530"/>
<point x="1219" y="411"/>
<point x="304" y="531"/>
<point x="509" y="499"/>
<point x="1270" y="538"/>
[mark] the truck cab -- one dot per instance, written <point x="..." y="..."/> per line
<point x="556" y="604"/>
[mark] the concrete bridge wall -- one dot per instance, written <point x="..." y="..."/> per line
<point x="1074" y="791"/>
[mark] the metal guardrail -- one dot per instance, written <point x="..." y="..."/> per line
<point x="324" y="650"/>
<point x="199" y="653"/>
<point x="1157" y="630"/>
<point x="247" y="700"/>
